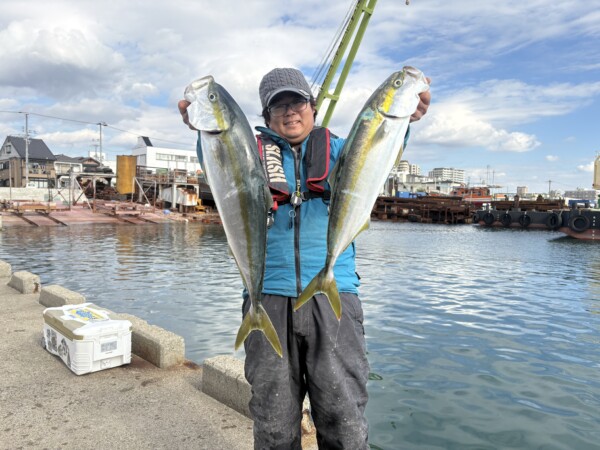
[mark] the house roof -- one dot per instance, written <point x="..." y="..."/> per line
<point x="67" y="159"/>
<point x="87" y="160"/>
<point x="37" y="148"/>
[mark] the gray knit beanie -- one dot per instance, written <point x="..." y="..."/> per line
<point x="282" y="80"/>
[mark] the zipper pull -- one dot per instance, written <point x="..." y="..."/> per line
<point x="292" y="215"/>
<point x="296" y="199"/>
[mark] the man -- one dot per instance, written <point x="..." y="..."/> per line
<point x="321" y="355"/>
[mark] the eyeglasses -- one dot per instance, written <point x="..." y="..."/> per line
<point x="280" y="110"/>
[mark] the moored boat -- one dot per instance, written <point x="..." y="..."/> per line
<point x="580" y="223"/>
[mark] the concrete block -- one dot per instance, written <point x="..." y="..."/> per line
<point x="55" y="295"/>
<point x="156" y="345"/>
<point x="5" y="269"/>
<point x="223" y="379"/>
<point x="25" y="282"/>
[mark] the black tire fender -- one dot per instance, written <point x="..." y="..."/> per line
<point x="488" y="218"/>
<point x="579" y="223"/>
<point x="524" y="220"/>
<point x="506" y="219"/>
<point x="553" y="221"/>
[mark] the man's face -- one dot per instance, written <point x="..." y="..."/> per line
<point x="295" y="124"/>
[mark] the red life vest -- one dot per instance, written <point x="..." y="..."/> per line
<point x="317" y="165"/>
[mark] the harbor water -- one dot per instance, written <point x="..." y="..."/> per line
<point x="478" y="338"/>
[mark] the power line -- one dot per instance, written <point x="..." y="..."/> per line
<point x="95" y="123"/>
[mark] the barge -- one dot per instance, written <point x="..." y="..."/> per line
<point x="579" y="223"/>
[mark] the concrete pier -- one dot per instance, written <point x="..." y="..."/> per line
<point x="136" y="406"/>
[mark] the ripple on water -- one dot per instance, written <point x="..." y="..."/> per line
<point x="477" y="338"/>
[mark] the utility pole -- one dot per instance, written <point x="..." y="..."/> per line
<point x="549" y="187"/>
<point x="26" y="150"/>
<point x="100" y="125"/>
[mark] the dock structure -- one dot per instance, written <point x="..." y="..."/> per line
<point x="174" y="187"/>
<point x="425" y="209"/>
<point x="527" y="205"/>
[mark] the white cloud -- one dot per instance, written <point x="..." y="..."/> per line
<point x="72" y="143"/>
<point x="455" y="125"/>
<point x="586" y="167"/>
<point x="552" y="158"/>
<point x="56" y="62"/>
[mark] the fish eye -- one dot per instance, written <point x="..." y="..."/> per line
<point x="398" y="82"/>
<point x="212" y="97"/>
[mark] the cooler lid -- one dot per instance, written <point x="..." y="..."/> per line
<point x="78" y="321"/>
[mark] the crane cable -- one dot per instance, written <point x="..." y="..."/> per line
<point x="321" y="70"/>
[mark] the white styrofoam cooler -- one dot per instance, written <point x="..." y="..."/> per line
<point x="86" y="338"/>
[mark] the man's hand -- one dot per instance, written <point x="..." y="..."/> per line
<point x="183" y="106"/>
<point x="424" y="101"/>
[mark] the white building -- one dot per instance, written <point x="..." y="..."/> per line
<point x="522" y="191"/>
<point x="448" y="174"/>
<point x="582" y="194"/>
<point x="405" y="167"/>
<point x="165" y="158"/>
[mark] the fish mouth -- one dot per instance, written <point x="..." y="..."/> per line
<point x="387" y="115"/>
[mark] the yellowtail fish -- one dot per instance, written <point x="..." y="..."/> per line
<point x="239" y="186"/>
<point x="375" y="142"/>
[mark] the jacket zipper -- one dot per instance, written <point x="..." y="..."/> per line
<point x="297" y="222"/>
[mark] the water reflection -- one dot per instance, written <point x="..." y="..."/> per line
<point x="477" y="338"/>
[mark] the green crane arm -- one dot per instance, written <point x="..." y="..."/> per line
<point x="364" y="11"/>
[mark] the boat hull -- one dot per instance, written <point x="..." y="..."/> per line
<point x="577" y="223"/>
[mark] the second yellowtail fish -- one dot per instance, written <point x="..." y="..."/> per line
<point x="375" y="142"/>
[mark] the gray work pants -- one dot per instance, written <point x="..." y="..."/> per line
<point x="321" y="356"/>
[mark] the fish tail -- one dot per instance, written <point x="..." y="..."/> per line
<point x="258" y="319"/>
<point x="323" y="282"/>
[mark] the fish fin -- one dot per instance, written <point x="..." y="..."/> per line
<point x="399" y="157"/>
<point x="258" y="320"/>
<point x="324" y="283"/>
<point x="331" y="178"/>
<point x="365" y="227"/>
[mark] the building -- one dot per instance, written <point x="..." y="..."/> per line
<point x="448" y="174"/>
<point x="22" y="162"/>
<point x="403" y="166"/>
<point x="582" y="194"/>
<point x="522" y="191"/>
<point x="64" y="166"/>
<point x="153" y="158"/>
<point x="415" y="169"/>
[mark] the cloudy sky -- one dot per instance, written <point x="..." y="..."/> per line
<point x="515" y="84"/>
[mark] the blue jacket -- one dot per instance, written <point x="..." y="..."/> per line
<point x="296" y="248"/>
